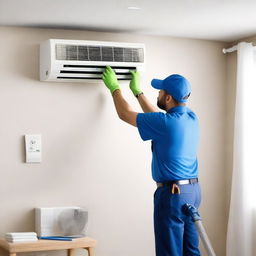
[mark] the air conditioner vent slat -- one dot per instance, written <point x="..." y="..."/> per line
<point x="90" y="66"/>
<point x="84" y="69"/>
<point x="90" y="72"/>
<point x="90" y="76"/>
<point x="93" y="70"/>
<point x="71" y="77"/>
<point x="79" y="72"/>
<point x="85" y="78"/>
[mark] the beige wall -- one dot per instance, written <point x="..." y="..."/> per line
<point x="90" y="157"/>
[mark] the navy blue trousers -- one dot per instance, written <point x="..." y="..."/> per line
<point x="175" y="232"/>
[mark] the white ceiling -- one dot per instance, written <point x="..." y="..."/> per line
<point x="222" y="20"/>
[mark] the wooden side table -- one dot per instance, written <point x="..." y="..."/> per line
<point x="49" y="245"/>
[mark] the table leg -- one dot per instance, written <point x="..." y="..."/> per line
<point x="71" y="252"/>
<point x="90" y="251"/>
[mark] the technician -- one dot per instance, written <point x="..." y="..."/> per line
<point x="174" y="137"/>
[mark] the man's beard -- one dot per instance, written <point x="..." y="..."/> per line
<point x="161" y="104"/>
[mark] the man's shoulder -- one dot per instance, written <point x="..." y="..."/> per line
<point x="151" y="118"/>
<point x="192" y="114"/>
<point x="153" y="114"/>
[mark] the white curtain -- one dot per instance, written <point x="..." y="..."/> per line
<point x="241" y="235"/>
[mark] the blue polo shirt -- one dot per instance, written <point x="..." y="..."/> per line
<point x="175" y="137"/>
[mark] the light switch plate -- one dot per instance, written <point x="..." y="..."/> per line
<point x="33" y="144"/>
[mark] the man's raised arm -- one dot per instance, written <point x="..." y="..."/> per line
<point x="135" y="88"/>
<point x="123" y="109"/>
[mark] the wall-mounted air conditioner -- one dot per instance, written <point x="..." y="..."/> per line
<point x="78" y="60"/>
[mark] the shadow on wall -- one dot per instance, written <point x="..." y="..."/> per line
<point x="22" y="149"/>
<point x="254" y="233"/>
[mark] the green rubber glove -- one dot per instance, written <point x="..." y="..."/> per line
<point x="110" y="79"/>
<point x="134" y="84"/>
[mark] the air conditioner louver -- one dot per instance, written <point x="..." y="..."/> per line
<point x="92" y="72"/>
<point x="69" y="60"/>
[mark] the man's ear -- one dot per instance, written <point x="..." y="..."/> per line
<point x="168" y="98"/>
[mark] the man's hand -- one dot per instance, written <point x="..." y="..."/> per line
<point x="110" y="79"/>
<point x="134" y="84"/>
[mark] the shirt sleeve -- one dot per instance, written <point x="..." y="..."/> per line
<point x="151" y="126"/>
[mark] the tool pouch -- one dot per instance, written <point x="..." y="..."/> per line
<point x="175" y="189"/>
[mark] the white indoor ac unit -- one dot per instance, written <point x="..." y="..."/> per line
<point x="61" y="221"/>
<point x="78" y="60"/>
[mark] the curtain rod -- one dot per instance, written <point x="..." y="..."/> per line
<point x="231" y="49"/>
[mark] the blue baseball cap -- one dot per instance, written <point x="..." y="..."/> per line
<point x="175" y="85"/>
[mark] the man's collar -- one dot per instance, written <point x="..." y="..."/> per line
<point x="178" y="109"/>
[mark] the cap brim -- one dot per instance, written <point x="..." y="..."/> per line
<point x="157" y="84"/>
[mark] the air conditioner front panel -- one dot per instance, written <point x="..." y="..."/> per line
<point x="86" y="60"/>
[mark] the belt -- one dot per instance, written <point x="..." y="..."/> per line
<point x="177" y="182"/>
